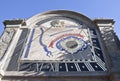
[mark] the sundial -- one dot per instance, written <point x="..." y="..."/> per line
<point x="64" y="43"/>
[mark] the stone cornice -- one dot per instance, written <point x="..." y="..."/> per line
<point x="15" y="22"/>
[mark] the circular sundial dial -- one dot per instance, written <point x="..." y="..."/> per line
<point x="71" y="44"/>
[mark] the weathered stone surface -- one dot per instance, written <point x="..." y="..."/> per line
<point x="5" y="40"/>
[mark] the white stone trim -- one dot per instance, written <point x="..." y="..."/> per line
<point x="6" y="58"/>
<point x="14" y="26"/>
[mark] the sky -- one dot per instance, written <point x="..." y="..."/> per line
<point x="24" y="9"/>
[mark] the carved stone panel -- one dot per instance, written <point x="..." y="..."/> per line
<point x="5" y="40"/>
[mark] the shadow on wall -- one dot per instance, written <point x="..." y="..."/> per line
<point x="117" y="41"/>
<point x="112" y="42"/>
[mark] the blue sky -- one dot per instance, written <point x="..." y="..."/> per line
<point x="12" y="9"/>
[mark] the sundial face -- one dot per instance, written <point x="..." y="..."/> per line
<point x="61" y="39"/>
<point x="64" y="40"/>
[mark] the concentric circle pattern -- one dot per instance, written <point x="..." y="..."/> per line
<point x="71" y="44"/>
